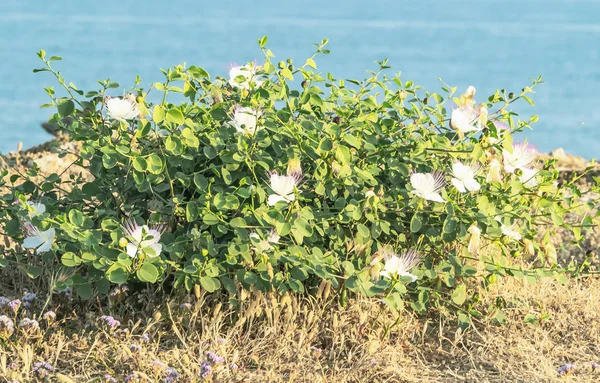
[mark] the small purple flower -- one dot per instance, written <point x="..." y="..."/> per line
<point x="595" y="366"/>
<point x="67" y="291"/>
<point x="29" y="325"/>
<point x="29" y="297"/>
<point x="12" y="366"/>
<point x="109" y="379"/>
<point x="50" y="316"/>
<point x="233" y="366"/>
<point x="110" y="321"/>
<point x="145" y="338"/>
<point x="119" y="291"/>
<point x="186" y="306"/>
<point x="131" y="378"/>
<point x="205" y="370"/>
<point x="4" y="301"/>
<point x="214" y="358"/>
<point x="14" y="305"/>
<point x="43" y="369"/>
<point x="7" y="326"/>
<point x="135" y="347"/>
<point x="221" y="340"/>
<point x="566" y="369"/>
<point x="374" y="363"/>
<point x="171" y="375"/>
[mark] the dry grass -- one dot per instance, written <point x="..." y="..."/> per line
<point x="315" y="340"/>
<point x="288" y="339"/>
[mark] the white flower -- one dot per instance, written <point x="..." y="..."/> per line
<point x="494" y="172"/>
<point x="528" y="177"/>
<point x="248" y="72"/>
<point x="273" y="236"/>
<point x="245" y="120"/>
<point x="465" y="119"/>
<point x="464" y="177"/>
<point x="509" y="231"/>
<point x="265" y="245"/>
<point x="283" y="187"/>
<point x="520" y="157"/>
<point x="40" y="240"/>
<point x="475" y="239"/>
<point x="122" y="109"/>
<point x="36" y="209"/>
<point x="428" y="185"/>
<point x="400" y="265"/>
<point x="470" y="93"/>
<point x="143" y="239"/>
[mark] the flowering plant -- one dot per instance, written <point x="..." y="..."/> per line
<point x="254" y="182"/>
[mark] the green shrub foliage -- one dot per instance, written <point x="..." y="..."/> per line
<point x="279" y="177"/>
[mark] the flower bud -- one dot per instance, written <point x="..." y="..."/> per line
<point x="474" y="240"/>
<point x="337" y="120"/>
<point x="123" y="242"/>
<point x="470" y="93"/>
<point x="375" y="271"/>
<point x="304" y="84"/>
<point x="294" y="167"/>
<point x="529" y="247"/>
<point x="550" y="254"/>
<point x="483" y="115"/>
<point x="335" y="167"/>
<point x="494" y="172"/>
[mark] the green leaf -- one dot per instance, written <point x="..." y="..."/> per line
<point x="69" y="259"/>
<point x="34" y="271"/>
<point x="210" y="284"/>
<point x="200" y="181"/>
<point x="190" y="269"/>
<point x="285" y="72"/>
<point x="140" y="164"/>
<point x="117" y="275"/>
<point x="198" y="72"/>
<point x="159" y="114"/>
<point x="147" y="273"/>
<point x="303" y="227"/>
<point x="66" y="108"/>
<point x="343" y="155"/>
<point x="175" y="116"/>
<point x="155" y="164"/>
<point x="416" y="223"/>
<point x="76" y="217"/>
<point x="238" y="222"/>
<point x="459" y="296"/>
<point x="84" y="290"/>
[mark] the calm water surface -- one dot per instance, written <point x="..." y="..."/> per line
<point x="488" y="44"/>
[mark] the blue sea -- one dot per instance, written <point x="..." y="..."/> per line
<point x="488" y="44"/>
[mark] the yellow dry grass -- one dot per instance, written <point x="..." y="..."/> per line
<point x="315" y="340"/>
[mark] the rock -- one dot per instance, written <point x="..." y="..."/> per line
<point x="558" y="153"/>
